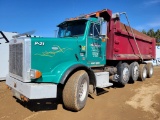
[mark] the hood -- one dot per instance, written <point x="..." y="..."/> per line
<point x="47" y="53"/>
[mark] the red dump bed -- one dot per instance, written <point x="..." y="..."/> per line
<point x="122" y="46"/>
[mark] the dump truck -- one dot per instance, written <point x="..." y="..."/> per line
<point x="88" y="53"/>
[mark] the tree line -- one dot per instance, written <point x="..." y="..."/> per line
<point x="152" y="33"/>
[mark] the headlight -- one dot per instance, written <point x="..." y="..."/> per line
<point x="34" y="74"/>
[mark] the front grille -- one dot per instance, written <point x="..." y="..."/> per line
<point x="16" y="59"/>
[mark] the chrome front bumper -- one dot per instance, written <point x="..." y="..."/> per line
<point x="31" y="90"/>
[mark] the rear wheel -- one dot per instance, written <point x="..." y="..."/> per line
<point x="76" y="90"/>
<point x="142" y="72"/>
<point x="149" y="70"/>
<point x="124" y="74"/>
<point x="134" y="71"/>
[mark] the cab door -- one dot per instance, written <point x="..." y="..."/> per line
<point x="96" y="47"/>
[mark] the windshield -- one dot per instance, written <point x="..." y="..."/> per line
<point x="72" y="28"/>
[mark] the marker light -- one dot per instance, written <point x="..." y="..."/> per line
<point x="34" y="74"/>
<point x="97" y="14"/>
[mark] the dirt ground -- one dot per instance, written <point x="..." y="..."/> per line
<point x="135" y="101"/>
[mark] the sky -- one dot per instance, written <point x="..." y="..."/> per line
<point x="44" y="15"/>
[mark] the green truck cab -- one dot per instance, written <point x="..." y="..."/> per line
<point x="78" y="45"/>
<point x="39" y="65"/>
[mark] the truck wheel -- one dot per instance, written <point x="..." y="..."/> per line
<point x="123" y="72"/>
<point x="149" y="70"/>
<point x="134" y="71"/>
<point x="76" y="90"/>
<point x="142" y="72"/>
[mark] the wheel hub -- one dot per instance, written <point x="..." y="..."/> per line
<point x="125" y="74"/>
<point x="83" y="90"/>
<point x="135" y="71"/>
<point x="144" y="73"/>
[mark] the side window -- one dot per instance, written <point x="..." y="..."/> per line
<point x="94" y="30"/>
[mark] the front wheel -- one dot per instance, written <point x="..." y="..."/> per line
<point x="76" y="90"/>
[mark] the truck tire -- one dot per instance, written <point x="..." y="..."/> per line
<point x="76" y="90"/>
<point x="149" y="70"/>
<point x="134" y="71"/>
<point x="124" y="74"/>
<point x="142" y="72"/>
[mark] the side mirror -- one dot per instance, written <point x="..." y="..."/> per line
<point x="104" y="29"/>
<point x="56" y="33"/>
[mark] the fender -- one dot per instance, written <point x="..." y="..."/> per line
<point x="70" y="70"/>
<point x="74" y="66"/>
<point x="62" y="71"/>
